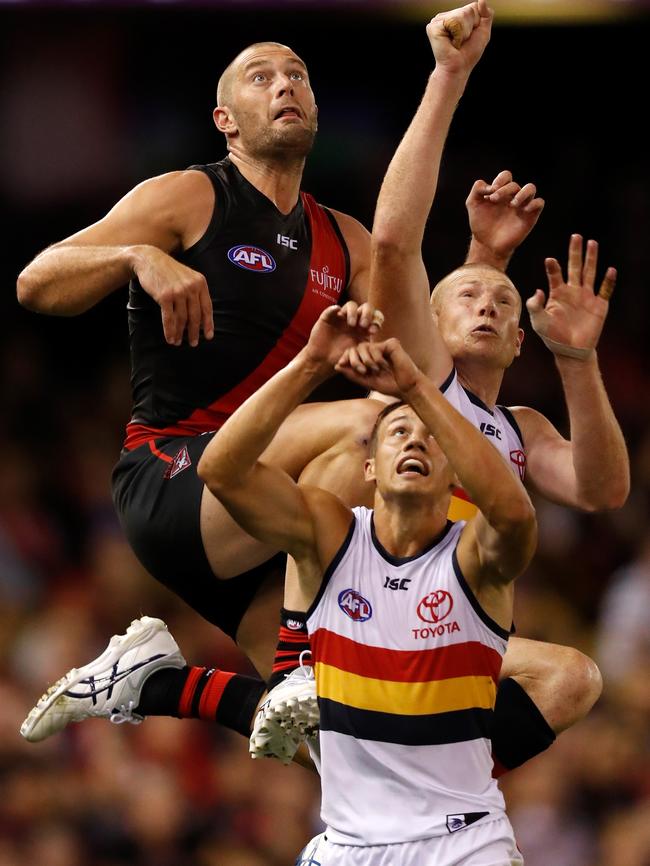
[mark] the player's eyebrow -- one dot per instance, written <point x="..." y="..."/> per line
<point x="256" y="63"/>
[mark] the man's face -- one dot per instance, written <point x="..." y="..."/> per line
<point x="408" y="461"/>
<point x="272" y="103"/>
<point x="477" y="311"/>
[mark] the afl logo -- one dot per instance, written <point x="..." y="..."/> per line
<point x="355" y="605"/>
<point x="252" y="259"/>
<point x="435" y="606"/>
<point x="294" y="624"/>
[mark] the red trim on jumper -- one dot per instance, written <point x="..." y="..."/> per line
<point x="325" y="284"/>
<point x="187" y="695"/>
<point x="212" y="694"/>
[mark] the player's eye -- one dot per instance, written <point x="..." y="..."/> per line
<point x="259" y="76"/>
<point x="296" y="76"/>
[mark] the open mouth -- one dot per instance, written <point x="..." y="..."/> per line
<point x="485" y="329"/>
<point x="412" y="465"/>
<point x="288" y="111"/>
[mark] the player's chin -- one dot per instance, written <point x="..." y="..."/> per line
<point x="297" y="136"/>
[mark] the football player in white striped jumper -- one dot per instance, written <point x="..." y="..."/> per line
<point x="408" y="613"/>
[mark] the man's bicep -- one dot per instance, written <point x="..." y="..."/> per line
<point x="549" y="459"/>
<point x="271" y="507"/>
<point x="159" y="212"/>
<point x="484" y="553"/>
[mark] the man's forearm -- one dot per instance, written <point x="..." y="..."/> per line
<point x="600" y="457"/>
<point x="409" y="187"/>
<point x="67" y="280"/>
<point x="237" y="446"/>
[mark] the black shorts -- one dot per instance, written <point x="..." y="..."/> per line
<point x="157" y="494"/>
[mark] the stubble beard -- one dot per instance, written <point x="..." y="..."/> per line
<point x="282" y="146"/>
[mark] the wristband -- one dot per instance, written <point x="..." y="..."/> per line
<point x="566" y="351"/>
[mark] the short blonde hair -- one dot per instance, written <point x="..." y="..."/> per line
<point x="439" y="288"/>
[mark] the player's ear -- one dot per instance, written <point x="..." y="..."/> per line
<point x="369" y="469"/>
<point x="519" y="341"/>
<point x="224" y="120"/>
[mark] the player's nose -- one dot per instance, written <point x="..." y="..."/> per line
<point x="284" y="85"/>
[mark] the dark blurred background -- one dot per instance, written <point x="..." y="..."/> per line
<point x="96" y="98"/>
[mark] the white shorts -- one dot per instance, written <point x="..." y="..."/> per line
<point x="488" y="844"/>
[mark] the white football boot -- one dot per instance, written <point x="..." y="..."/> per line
<point x="108" y="687"/>
<point x="288" y="716"/>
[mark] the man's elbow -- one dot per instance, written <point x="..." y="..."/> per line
<point x="608" y="497"/>
<point x="28" y="291"/>
<point x="520" y="519"/>
<point x="390" y="246"/>
<point x="212" y="472"/>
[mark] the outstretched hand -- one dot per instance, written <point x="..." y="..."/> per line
<point x="502" y="214"/>
<point x="458" y="37"/>
<point x="572" y="317"/>
<point x="340" y="328"/>
<point x="384" y="367"/>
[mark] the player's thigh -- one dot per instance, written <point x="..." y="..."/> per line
<point x="229" y="549"/>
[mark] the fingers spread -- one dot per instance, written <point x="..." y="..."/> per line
<point x="574" y="271"/>
<point x="553" y="273"/>
<point x="591" y="262"/>
<point x="536" y="302"/>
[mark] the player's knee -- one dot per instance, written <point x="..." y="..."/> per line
<point x="576" y="684"/>
<point x="585" y="677"/>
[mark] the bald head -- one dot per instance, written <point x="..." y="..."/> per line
<point x="471" y="274"/>
<point x="225" y="83"/>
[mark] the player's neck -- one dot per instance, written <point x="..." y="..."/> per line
<point x="279" y="182"/>
<point x="406" y="528"/>
<point x="484" y="382"/>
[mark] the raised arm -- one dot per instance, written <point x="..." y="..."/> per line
<point x="398" y="281"/>
<point x="160" y="216"/>
<point x="590" y="470"/>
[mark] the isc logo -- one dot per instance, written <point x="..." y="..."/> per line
<point x="251" y="259"/>
<point x="355" y="605"/>
<point x="490" y="430"/>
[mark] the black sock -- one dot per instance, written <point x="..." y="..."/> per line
<point x="202" y="693"/>
<point x="293" y="639"/>
<point x="519" y="730"/>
